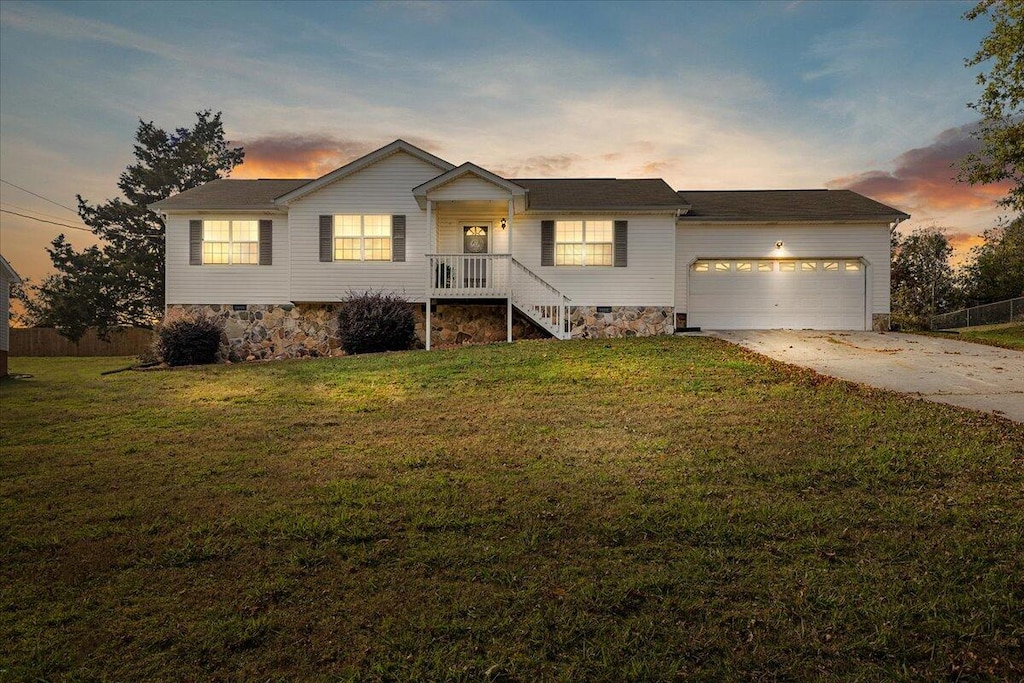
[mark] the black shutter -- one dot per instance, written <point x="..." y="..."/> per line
<point x="266" y="242"/>
<point x="547" y="243"/>
<point x="398" y="238"/>
<point x="195" y="243"/>
<point x="326" y="238"/>
<point x="621" y="228"/>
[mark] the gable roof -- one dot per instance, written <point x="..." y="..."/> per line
<point x="783" y="205"/>
<point x="600" y="194"/>
<point x="361" y="163"/>
<point x="228" y="194"/>
<point x="420" y="191"/>
<point x="12" y="276"/>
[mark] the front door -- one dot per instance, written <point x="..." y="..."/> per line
<point x="474" y="241"/>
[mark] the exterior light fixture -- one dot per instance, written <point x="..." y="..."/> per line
<point x="504" y="223"/>
<point x="778" y="245"/>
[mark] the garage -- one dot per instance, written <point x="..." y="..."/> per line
<point x="737" y="293"/>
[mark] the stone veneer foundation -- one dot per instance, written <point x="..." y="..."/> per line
<point x="265" y="331"/>
<point x="621" y="321"/>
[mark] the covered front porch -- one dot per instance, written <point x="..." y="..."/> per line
<point x="471" y="225"/>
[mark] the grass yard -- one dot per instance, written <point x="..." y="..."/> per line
<point x="647" y="509"/>
<point x="1007" y="336"/>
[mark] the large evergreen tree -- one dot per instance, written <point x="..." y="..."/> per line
<point x="122" y="281"/>
<point x="1001" y="103"/>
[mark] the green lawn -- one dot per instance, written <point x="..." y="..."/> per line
<point x="644" y="510"/>
<point x="1007" y="336"/>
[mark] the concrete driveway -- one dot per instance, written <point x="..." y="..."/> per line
<point x="984" y="378"/>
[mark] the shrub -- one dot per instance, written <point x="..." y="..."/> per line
<point x="372" y="322"/>
<point x="189" y="340"/>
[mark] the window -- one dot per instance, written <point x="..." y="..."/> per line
<point x="722" y="266"/>
<point x="831" y="266"/>
<point x="851" y="265"/>
<point x="362" y="238"/>
<point x="231" y="242"/>
<point x="743" y="266"/>
<point x="765" y="266"/>
<point x="787" y="266"/>
<point x="583" y="243"/>
<point x="807" y="266"/>
<point x="700" y="267"/>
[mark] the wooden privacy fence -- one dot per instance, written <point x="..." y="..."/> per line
<point x="46" y="341"/>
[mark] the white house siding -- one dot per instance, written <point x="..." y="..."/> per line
<point x="647" y="280"/>
<point x="225" y="284"/>
<point x="468" y="187"/>
<point x="711" y="240"/>
<point x="383" y="188"/>
<point x="451" y="218"/>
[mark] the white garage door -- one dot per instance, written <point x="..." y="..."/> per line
<point x="742" y="294"/>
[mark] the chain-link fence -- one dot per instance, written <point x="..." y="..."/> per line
<point x="1011" y="310"/>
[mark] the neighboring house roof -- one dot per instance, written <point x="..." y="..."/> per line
<point x="361" y="163"/>
<point x="783" y="205"/>
<point x="8" y="270"/>
<point x="227" y="194"/>
<point x="600" y="194"/>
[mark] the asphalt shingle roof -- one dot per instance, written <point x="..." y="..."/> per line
<point x="568" y="194"/>
<point x="231" y="194"/>
<point x="809" y="205"/>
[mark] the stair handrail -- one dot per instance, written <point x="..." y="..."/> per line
<point x="550" y="287"/>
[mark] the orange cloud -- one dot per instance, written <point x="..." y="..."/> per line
<point x="297" y="156"/>
<point x="925" y="178"/>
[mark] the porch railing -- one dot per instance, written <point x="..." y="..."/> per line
<point x="538" y="299"/>
<point x="481" y="276"/>
<point x="468" y="275"/>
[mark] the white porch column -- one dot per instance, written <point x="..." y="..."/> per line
<point x="510" y="226"/>
<point x="509" y="317"/>
<point x="426" y="328"/>
<point x="431" y="242"/>
<point x="431" y="248"/>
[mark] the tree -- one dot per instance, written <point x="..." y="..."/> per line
<point x="922" y="279"/>
<point x="1001" y="104"/>
<point x="996" y="269"/>
<point x="122" y="281"/>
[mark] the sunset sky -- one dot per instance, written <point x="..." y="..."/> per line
<point x="869" y="96"/>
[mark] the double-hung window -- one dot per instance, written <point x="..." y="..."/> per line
<point x="362" y="238"/>
<point x="231" y="242"/>
<point x="583" y="243"/>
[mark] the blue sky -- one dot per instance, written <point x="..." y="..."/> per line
<point x="718" y="95"/>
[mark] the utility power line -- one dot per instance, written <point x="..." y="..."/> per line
<point x="73" y="227"/>
<point x="63" y="225"/>
<point x="45" y="199"/>
<point x="27" y="208"/>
